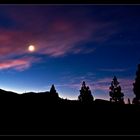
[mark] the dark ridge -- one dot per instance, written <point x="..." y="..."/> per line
<point x="46" y="113"/>
<point x="7" y="93"/>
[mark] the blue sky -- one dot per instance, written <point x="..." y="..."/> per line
<point x="72" y="43"/>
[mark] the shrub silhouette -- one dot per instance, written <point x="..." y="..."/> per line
<point x="115" y="93"/>
<point x="85" y="94"/>
<point x="136" y="87"/>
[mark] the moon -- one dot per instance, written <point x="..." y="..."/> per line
<point x="31" y="48"/>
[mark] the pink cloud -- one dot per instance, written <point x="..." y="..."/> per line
<point x="125" y="83"/>
<point x="64" y="42"/>
<point x="14" y="42"/>
<point x="100" y="84"/>
<point x="17" y="64"/>
<point x="98" y="87"/>
<point x="65" y="35"/>
<point x="56" y="38"/>
<point x="54" y="43"/>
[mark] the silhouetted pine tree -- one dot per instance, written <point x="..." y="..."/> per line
<point x="115" y="92"/>
<point x="136" y="87"/>
<point x="53" y="92"/>
<point x="85" y="94"/>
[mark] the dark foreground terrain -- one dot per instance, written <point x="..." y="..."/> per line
<point x="41" y="114"/>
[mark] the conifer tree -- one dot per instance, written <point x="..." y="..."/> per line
<point x="85" y="94"/>
<point x="53" y="92"/>
<point x="136" y="87"/>
<point x="115" y="91"/>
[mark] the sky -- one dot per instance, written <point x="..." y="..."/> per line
<point x="72" y="43"/>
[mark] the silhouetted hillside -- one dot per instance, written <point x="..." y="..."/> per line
<point x="43" y="113"/>
<point x="7" y="93"/>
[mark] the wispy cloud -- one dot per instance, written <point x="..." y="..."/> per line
<point x="63" y="39"/>
<point x="113" y="69"/>
<point x="74" y="79"/>
<point x="69" y="85"/>
<point x="100" y="87"/>
<point x="17" y="64"/>
<point x="54" y="35"/>
<point x="103" y="84"/>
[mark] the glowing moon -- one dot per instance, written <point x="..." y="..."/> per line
<point x="31" y="48"/>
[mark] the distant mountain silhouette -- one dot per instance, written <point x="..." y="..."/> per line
<point x="47" y="96"/>
<point x="47" y="113"/>
<point x="7" y="93"/>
